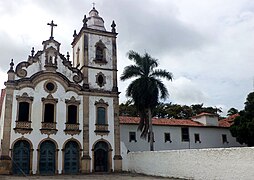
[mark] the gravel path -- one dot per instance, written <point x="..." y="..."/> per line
<point x="117" y="176"/>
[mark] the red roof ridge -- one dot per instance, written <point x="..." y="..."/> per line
<point x="160" y="121"/>
<point x="227" y="122"/>
<point x="204" y="114"/>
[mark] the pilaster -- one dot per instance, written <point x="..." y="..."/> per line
<point x="85" y="69"/>
<point x="114" y="62"/>
<point x="5" y="160"/>
<point x="117" y="158"/>
<point x="86" y="159"/>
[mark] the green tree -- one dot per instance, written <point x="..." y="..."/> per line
<point x="174" y="111"/>
<point x="243" y="127"/>
<point x="160" y="111"/>
<point x="128" y="109"/>
<point x="232" y="111"/>
<point x="146" y="89"/>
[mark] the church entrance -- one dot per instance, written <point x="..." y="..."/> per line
<point x="101" y="150"/>
<point x="71" y="158"/>
<point x="47" y="162"/>
<point x="21" y="157"/>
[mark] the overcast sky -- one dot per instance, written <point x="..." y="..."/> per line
<point x="207" y="45"/>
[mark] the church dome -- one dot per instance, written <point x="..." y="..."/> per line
<point x="95" y="21"/>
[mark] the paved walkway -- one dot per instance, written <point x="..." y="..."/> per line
<point x="110" y="176"/>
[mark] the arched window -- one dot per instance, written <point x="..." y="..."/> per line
<point x="100" y="53"/>
<point x="23" y="114"/>
<point x="49" y="115"/>
<point x="49" y="112"/>
<point x="101" y="115"/>
<point x="72" y="114"/>
<point x="23" y="117"/>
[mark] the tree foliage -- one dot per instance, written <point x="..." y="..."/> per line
<point x="232" y="111"/>
<point x="169" y="110"/>
<point x="243" y="127"/>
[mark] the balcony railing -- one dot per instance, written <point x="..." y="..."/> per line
<point x="48" y="128"/>
<point x="101" y="129"/>
<point x="23" y="127"/>
<point x="72" y="129"/>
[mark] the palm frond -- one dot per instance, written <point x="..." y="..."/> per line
<point x="130" y="72"/>
<point x="162" y="74"/>
<point x="162" y="88"/>
<point x="132" y="55"/>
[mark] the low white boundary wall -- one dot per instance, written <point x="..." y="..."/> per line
<point x="228" y="163"/>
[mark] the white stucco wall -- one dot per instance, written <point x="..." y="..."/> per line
<point x="93" y="138"/>
<point x="210" y="137"/>
<point x="92" y="79"/>
<point x="107" y="41"/>
<point x="79" y="45"/>
<point x="36" y="117"/>
<point x="226" y="164"/>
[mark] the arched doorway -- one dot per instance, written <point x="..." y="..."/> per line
<point x="71" y="158"/>
<point x="101" y="151"/>
<point x="21" y="157"/>
<point x="47" y="161"/>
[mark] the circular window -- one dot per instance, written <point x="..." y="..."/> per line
<point x="100" y="79"/>
<point x="50" y="87"/>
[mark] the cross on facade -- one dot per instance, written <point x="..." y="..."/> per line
<point x="52" y="26"/>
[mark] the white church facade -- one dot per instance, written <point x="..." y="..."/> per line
<point x="62" y="117"/>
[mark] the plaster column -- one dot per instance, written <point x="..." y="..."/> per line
<point x="85" y="160"/>
<point x="117" y="158"/>
<point x="5" y="159"/>
<point x="114" y="63"/>
<point x="85" y="69"/>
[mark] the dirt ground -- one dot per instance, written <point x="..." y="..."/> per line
<point x="118" y="176"/>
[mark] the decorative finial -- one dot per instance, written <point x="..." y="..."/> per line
<point x="11" y="66"/>
<point x="74" y="34"/>
<point x="85" y="21"/>
<point x="32" y="52"/>
<point x="93" y="5"/>
<point x="113" y="25"/>
<point x="68" y="56"/>
<point x="52" y="26"/>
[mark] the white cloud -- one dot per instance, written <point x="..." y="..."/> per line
<point x="207" y="45"/>
<point x="185" y="91"/>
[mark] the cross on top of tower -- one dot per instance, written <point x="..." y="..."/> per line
<point x="52" y="26"/>
<point x="93" y="5"/>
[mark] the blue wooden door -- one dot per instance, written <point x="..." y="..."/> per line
<point x="47" y="158"/>
<point x="71" y="158"/>
<point x="21" y="157"/>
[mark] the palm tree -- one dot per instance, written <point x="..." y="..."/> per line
<point x="146" y="89"/>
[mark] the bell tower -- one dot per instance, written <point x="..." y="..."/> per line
<point x="95" y="54"/>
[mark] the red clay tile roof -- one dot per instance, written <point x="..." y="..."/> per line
<point x="228" y="121"/>
<point x="1" y="100"/>
<point x="161" y="121"/>
<point x="177" y="122"/>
